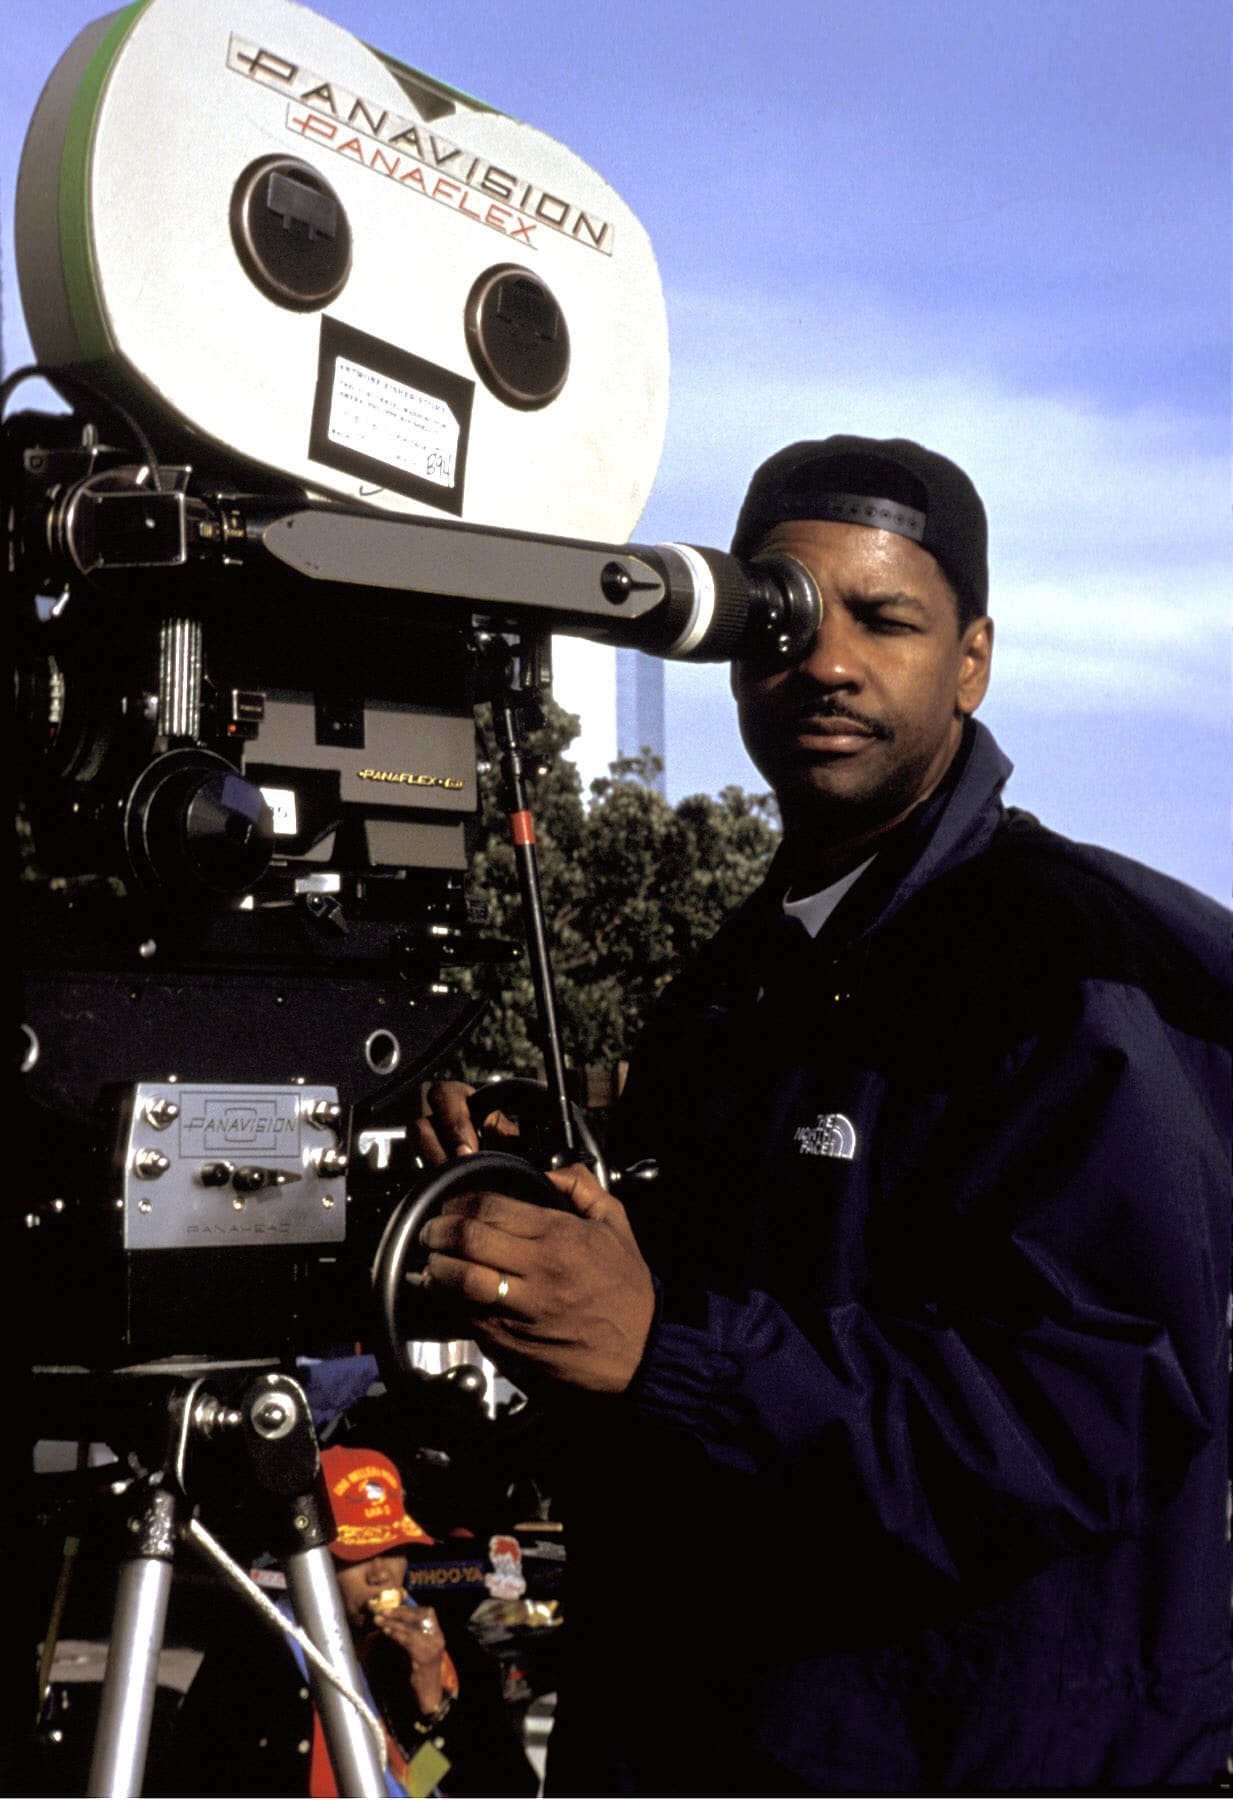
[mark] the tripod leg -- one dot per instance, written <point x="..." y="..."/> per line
<point x="318" y="1606"/>
<point x="131" y="1680"/>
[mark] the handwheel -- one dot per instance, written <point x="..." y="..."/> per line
<point x="399" y="1250"/>
<point x="523" y="1099"/>
<point x="407" y="1314"/>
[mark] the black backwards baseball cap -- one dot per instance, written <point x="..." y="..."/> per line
<point x="887" y="483"/>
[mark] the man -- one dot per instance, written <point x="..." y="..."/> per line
<point x="898" y="1417"/>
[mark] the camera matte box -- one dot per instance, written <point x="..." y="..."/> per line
<point x="285" y="248"/>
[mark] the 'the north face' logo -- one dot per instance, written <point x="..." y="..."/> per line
<point x="833" y="1135"/>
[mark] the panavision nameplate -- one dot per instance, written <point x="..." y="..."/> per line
<point x="270" y="237"/>
<point x="231" y="1165"/>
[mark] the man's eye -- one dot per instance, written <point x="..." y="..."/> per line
<point x="887" y="623"/>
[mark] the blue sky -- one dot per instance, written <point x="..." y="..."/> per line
<point x="1002" y="229"/>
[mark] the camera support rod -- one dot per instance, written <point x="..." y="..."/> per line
<point x="508" y="706"/>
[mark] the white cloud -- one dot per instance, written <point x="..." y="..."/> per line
<point x="1111" y="538"/>
<point x="1117" y="641"/>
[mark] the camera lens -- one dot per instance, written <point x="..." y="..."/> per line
<point x="193" y="825"/>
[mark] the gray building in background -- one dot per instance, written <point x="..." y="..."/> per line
<point x="640" y="708"/>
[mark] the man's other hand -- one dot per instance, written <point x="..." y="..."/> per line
<point x="448" y="1130"/>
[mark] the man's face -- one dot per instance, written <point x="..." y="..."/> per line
<point x="865" y="723"/>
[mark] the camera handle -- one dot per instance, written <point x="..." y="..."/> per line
<point x="514" y="695"/>
<point x="394" y="1276"/>
<point x="272" y="1418"/>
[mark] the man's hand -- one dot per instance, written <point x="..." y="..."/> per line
<point x="566" y="1293"/>
<point x="448" y="1131"/>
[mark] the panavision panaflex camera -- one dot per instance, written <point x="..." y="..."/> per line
<point x="366" y="387"/>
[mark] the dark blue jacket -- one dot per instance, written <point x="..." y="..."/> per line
<point x="923" y="1484"/>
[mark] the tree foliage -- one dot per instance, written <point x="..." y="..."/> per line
<point x="632" y="886"/>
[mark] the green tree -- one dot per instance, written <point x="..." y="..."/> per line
<point x="632" y="886"/>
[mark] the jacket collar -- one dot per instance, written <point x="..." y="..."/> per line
<point x="956" y="822"/>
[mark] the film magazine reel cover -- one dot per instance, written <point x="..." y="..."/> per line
<point x="366" y="386"/>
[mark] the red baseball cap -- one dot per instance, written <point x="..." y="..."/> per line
<point x="366" y="1501"/>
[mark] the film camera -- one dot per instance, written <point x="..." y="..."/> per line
<point x="366" y="387"/>
<point x="365" y="381"/>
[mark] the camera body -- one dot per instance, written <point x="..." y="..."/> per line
<point x="367" y="386"/>
<point x="274" y="272"/>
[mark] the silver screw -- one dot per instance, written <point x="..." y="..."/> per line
<point x="275" y="1417"/>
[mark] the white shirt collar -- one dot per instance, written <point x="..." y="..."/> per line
<point x="815" y="909"/>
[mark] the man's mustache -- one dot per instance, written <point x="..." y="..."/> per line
<point x="800" y="712"/>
